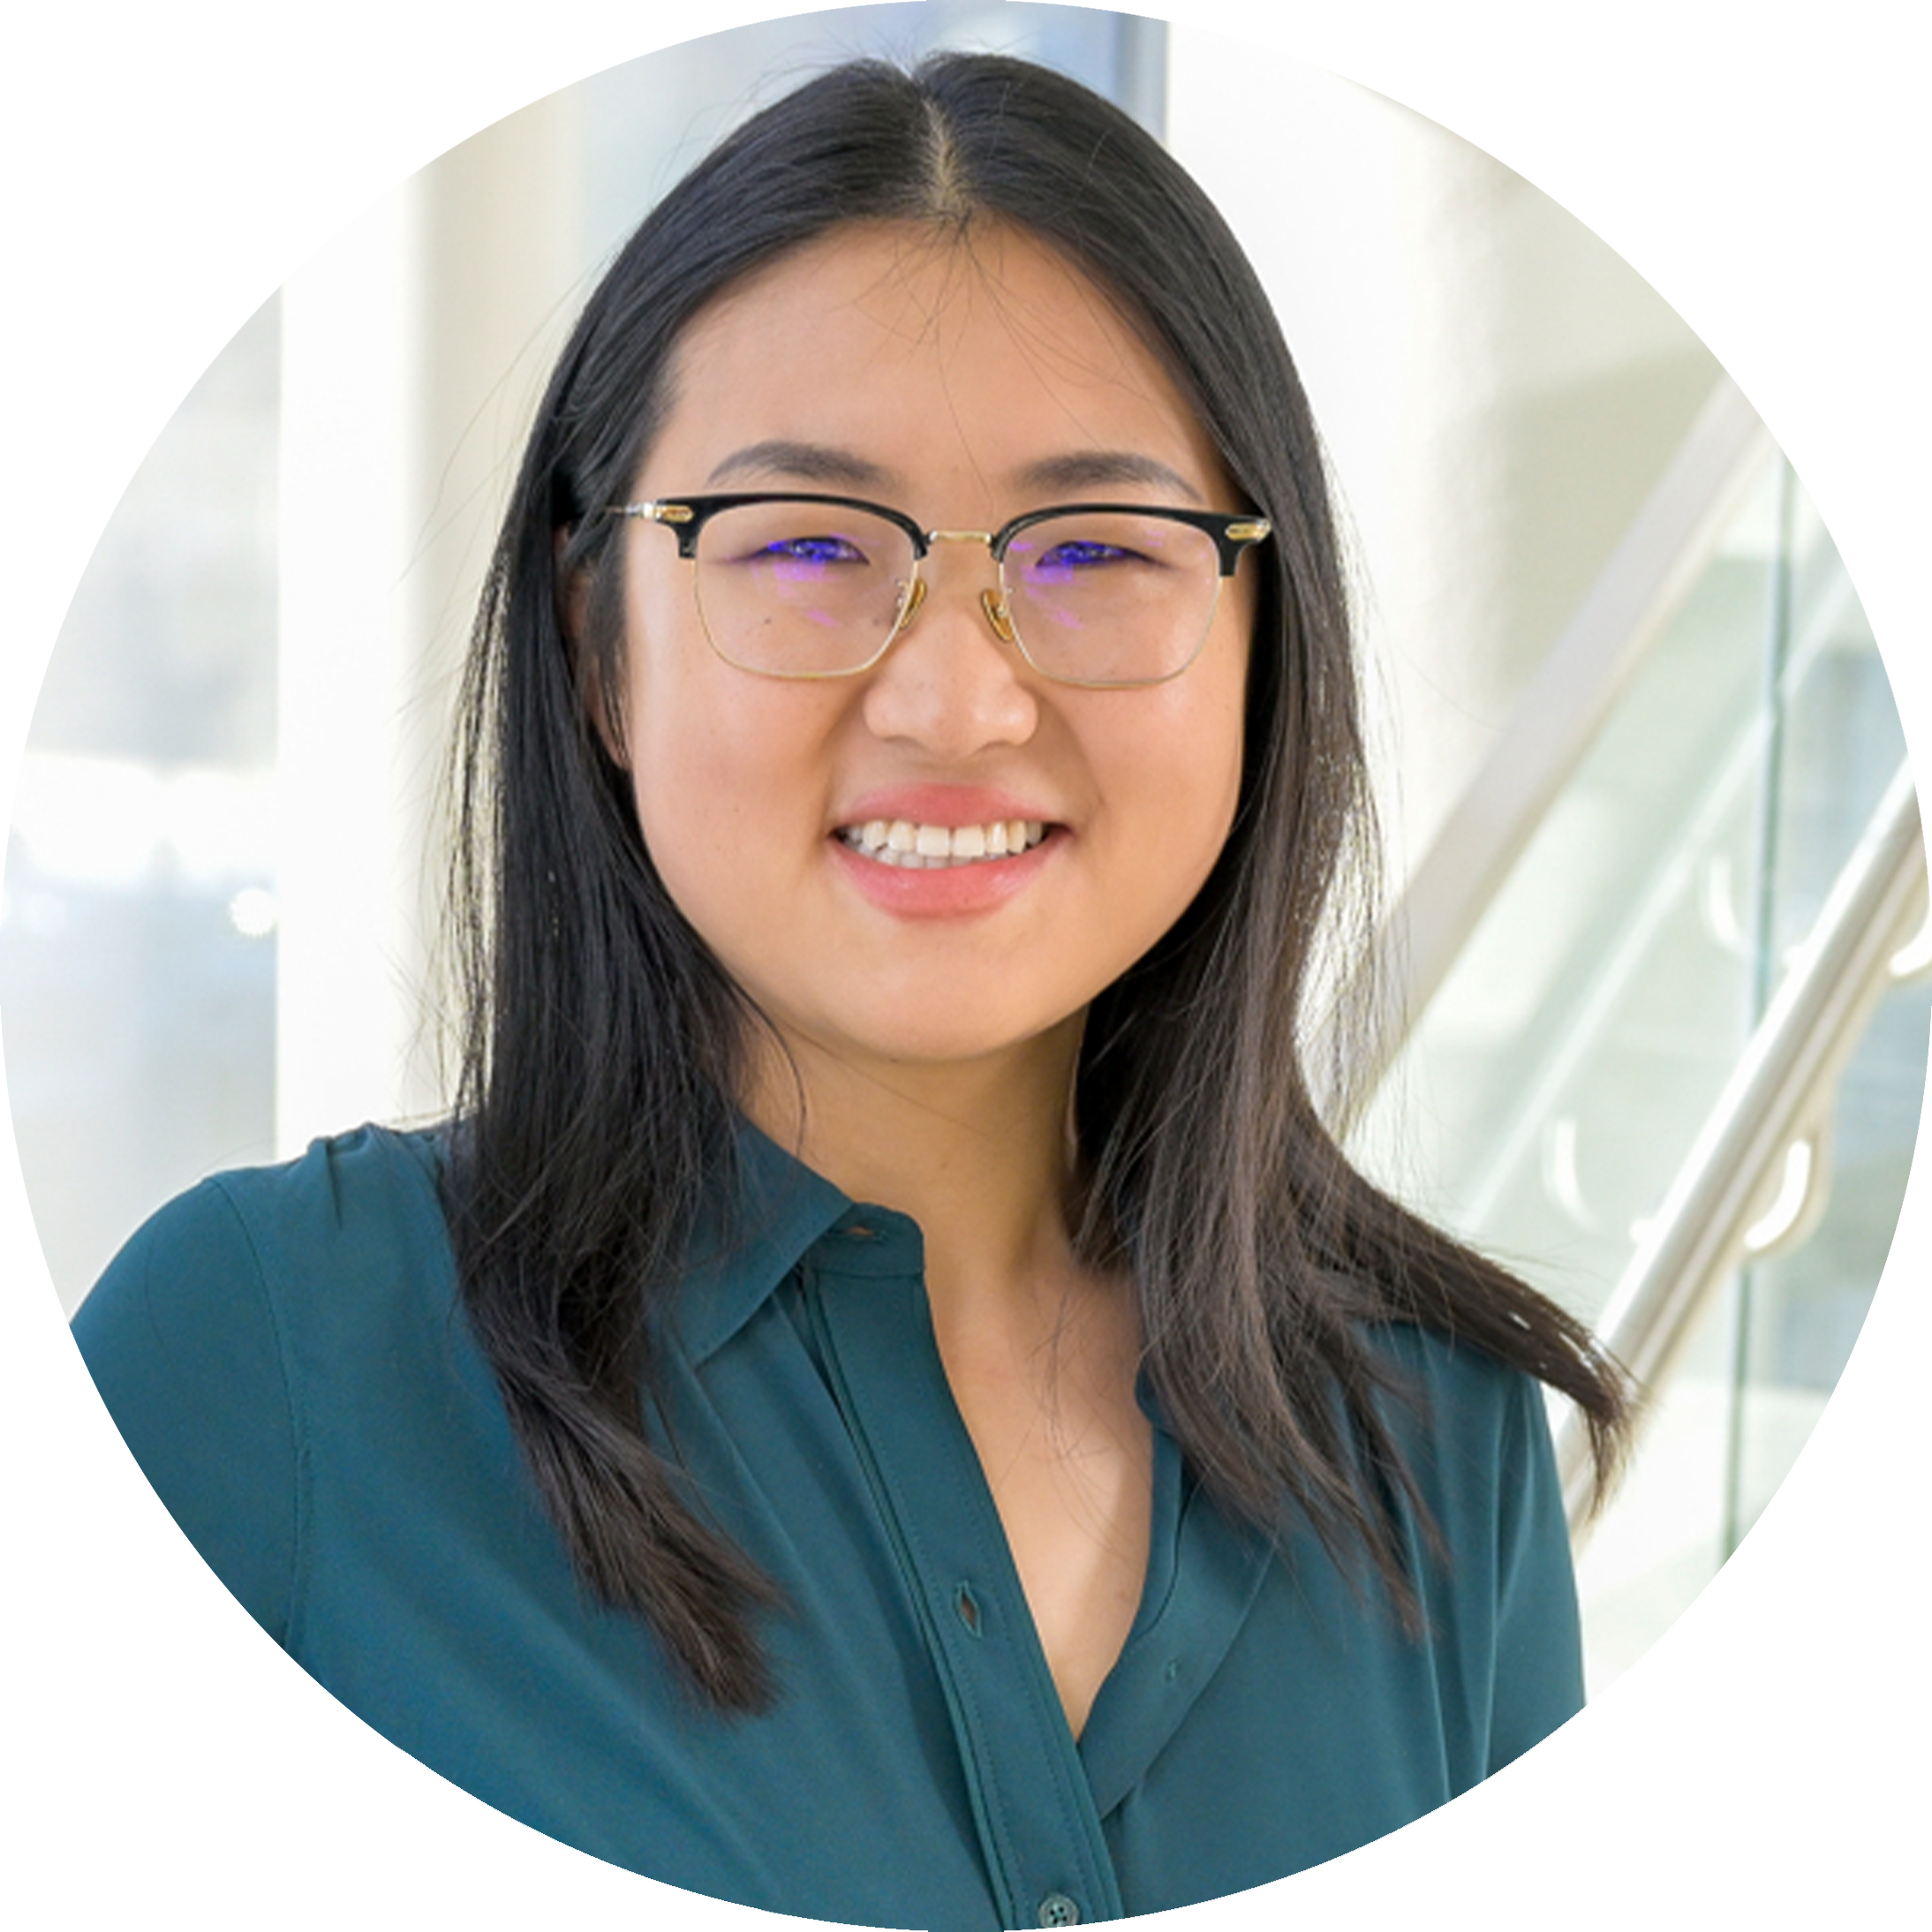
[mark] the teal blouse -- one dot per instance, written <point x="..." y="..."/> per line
<point x="284" y="1351"/>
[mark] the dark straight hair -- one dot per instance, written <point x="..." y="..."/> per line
<point x="606" y="1044"/>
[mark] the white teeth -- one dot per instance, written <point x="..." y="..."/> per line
<point x="917" y="847"/>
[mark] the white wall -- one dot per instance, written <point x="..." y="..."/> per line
<point x="1496" y="389"/>
<point x="414" y="349"/>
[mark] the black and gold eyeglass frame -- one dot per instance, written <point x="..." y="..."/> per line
<point x="798" y="585"/>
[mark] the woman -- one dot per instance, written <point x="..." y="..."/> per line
<point x="887" y="1404"/>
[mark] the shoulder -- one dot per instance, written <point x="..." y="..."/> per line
<point x="354" y="1257"/>
<point x="258" y="1273"/>
<point x="373" y="1182"/>
<point x="1477" y="1431"/>
<point x="160" y="1538"/>
<point x="1475" y="1434"/>
<point x="368" y="1189"/>
<point x="1455" y="1404"/>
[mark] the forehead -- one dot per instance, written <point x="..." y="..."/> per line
<point x="916" y="343"/>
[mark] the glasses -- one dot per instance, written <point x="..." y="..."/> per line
<point x="1106" y="595"/>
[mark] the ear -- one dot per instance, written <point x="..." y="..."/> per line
<point x="574" y="592"/>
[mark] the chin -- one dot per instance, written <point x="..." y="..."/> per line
<point x="922" y="1040"/>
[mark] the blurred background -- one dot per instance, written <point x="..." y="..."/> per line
<point x="1656" y="994"/>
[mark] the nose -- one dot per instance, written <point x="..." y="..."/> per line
<point x="953" y="683"/>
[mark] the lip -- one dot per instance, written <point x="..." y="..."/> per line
<point x="949" y="806"/>
<point x="952" y="891"/>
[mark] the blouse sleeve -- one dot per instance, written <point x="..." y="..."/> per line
<point x="147" y="1552"/>
<point x="1539" y="1663"/>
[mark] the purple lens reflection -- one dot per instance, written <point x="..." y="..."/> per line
<point x="795" y="588"/>
<point x="1111" y="597"/>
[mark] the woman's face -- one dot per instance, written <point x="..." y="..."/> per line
<point x="962" y="384"/>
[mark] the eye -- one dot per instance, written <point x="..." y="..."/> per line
<point x="812" y="550"/>
<point x="1084" y="549"/>
<point x="1077" y="554"/>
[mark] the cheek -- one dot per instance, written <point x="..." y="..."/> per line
<point x="683" y="768"/>
<point x="700" y="831"/>
<point x="1171" y="786"/>
<point x="1198" y="750"/>
<point x="686" y="764"/>
<point x="1212" y="801"/>
<point x="698" y="777"/>
<point x="1205" y="786"/>
<point x="727" y="775"/>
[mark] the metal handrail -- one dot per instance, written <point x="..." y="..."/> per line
<point x="1565" y="703"/>
<point x="1726" y="1201"/>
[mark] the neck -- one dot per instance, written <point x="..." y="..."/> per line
<point x="977" y="1152"/>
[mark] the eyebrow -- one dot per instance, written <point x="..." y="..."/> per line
<point x="807" y="462"/>
<point x="1091" y="468"/>
<point x="826" y="464"/>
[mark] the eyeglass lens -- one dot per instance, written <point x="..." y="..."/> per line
<point x="797" y="589"/>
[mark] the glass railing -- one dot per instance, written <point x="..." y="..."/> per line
<point x="1578" y="1057"/>
<point x="1824" y="1672"/>
<point x="1593" y="1017"/>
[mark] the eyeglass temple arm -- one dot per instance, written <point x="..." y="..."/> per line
<point x="1235" y="538"/>
<point x="681" y="519"/>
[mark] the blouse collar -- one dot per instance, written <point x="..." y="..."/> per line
<point x="771" y="1211"/>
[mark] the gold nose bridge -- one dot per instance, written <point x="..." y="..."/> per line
<point x="993" y="603"/>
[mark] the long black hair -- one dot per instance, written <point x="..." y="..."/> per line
<point x="606" y="1044"/>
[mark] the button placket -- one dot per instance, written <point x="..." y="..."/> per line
<point x="1032" y="1798"/>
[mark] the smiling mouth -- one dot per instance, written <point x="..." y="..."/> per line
<point x="932" y="848"/>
